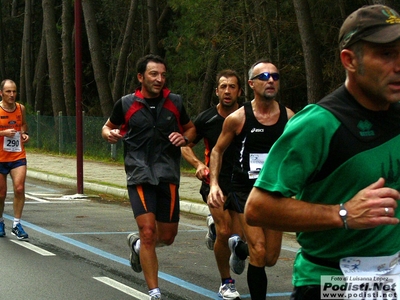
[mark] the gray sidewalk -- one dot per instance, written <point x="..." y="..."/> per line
<point x="104" y="178"/>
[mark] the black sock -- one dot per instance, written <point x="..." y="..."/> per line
<point x="242" y="250"/>
<point x="226" y="280"/>
<point x="257" y="282"/>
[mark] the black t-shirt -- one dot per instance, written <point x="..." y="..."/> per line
<point x="208" y="127"/>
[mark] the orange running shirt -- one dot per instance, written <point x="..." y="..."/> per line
<point x="12" y="149"/>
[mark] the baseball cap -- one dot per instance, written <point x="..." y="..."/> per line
<point x="372" y="23"/>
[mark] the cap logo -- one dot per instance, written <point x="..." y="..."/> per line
<point x="348" y="36"/>
<point x="391" y="14"/>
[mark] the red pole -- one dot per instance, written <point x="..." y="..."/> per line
<point x="78" y="95"/>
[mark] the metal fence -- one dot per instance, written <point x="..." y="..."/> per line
<point x="58" y="135"/>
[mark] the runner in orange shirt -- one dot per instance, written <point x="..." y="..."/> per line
<point x="13" y="135"/>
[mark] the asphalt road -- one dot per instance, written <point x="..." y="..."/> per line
<point x="77" y="250"/>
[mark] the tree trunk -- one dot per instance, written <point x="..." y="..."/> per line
<point x="21" y="87"/>
<point x="312" y="60"/>
<point x="2" y="61"/>
<point x="155" y="38"/>
<point x="212" y="64"/>
<point x="120" y="72"/>
<point x="67" y="57"/>
<point x="99" y="66"/>
<point x="208" y="84"/>
<point x="152" y="15"/>
<point x="342" y="8"/>
<point x="14" y="6"/>
<point x="53" y="57"/>
<point x="41" y="76"/>
<point x="27" y="53"/>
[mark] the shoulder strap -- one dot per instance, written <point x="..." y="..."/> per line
<point x="19" y="106"/>
<point x="283" y="113"/>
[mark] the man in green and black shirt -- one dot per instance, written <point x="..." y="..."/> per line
<point x="340" y="158"/>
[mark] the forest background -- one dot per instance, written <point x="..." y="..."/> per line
<point x="196" y="37"/>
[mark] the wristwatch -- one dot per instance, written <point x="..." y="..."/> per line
<point x="186" y="140"/>
<point x="343" y="215"/>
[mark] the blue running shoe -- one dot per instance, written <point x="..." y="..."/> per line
<point x="19" y="232"/>
<point x="2" y="229"/>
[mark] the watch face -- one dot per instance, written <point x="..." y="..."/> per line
<point x="342" y="212"/>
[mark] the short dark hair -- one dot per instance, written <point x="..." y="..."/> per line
<point x="141" y="64"/>
<point x="228" y="73"/>
<point x="4" y="82"/>
<point x="262" y="60"/>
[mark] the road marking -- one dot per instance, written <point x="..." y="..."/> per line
<point x="51" y="198"/>
<point x="33" y="248"/>
<point x="59" y="197"/>
<point x="31" y="197"/>
<point x="123" y="288"/>
<point x="170" y="278"/>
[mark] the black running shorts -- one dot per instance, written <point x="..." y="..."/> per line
<point x="236" y="201"/>
<point x="162" y="200"/>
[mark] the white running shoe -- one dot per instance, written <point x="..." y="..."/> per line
<point x="134" y="259"/>
<point x="211" y="234"/>
<point x="228" y="291"/>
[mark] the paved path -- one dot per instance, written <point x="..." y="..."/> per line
<point x="104" y="178"/>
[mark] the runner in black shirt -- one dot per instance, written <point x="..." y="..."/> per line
<point x="252" y="129"/>
<point x="208" y="127"/>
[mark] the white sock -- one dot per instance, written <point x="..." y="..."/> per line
<point x="136" y="247"/>
<point x="154" y="292"/>
<point x="16" y="221"/>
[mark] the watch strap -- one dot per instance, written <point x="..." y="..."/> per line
<point x="343" y="216"/>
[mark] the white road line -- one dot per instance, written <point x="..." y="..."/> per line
<point x="123" y="288"/>
<point x="58" y="197"/>
<point x="44" y="194"/>
<point x="33" y="248"/>
<point x="35" y="198"/>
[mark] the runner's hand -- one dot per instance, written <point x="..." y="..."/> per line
<point x="177" y="139"/>
<point x="373" y="206"/>
<point x="9" y="132"/>
<point x="215" y="197"/>
<point x="113" y="136"/>
<point x="203" y="173"/>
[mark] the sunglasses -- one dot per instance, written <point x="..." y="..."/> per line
<point x="266" y="76"/>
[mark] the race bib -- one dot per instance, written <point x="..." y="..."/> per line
<point x="12" y="144"/>
<point x="256" y="161"/>
<point x="364" y="278"/>
<point x="371" y="265"/>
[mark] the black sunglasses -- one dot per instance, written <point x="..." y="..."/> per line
<point x="266" y="76"/>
